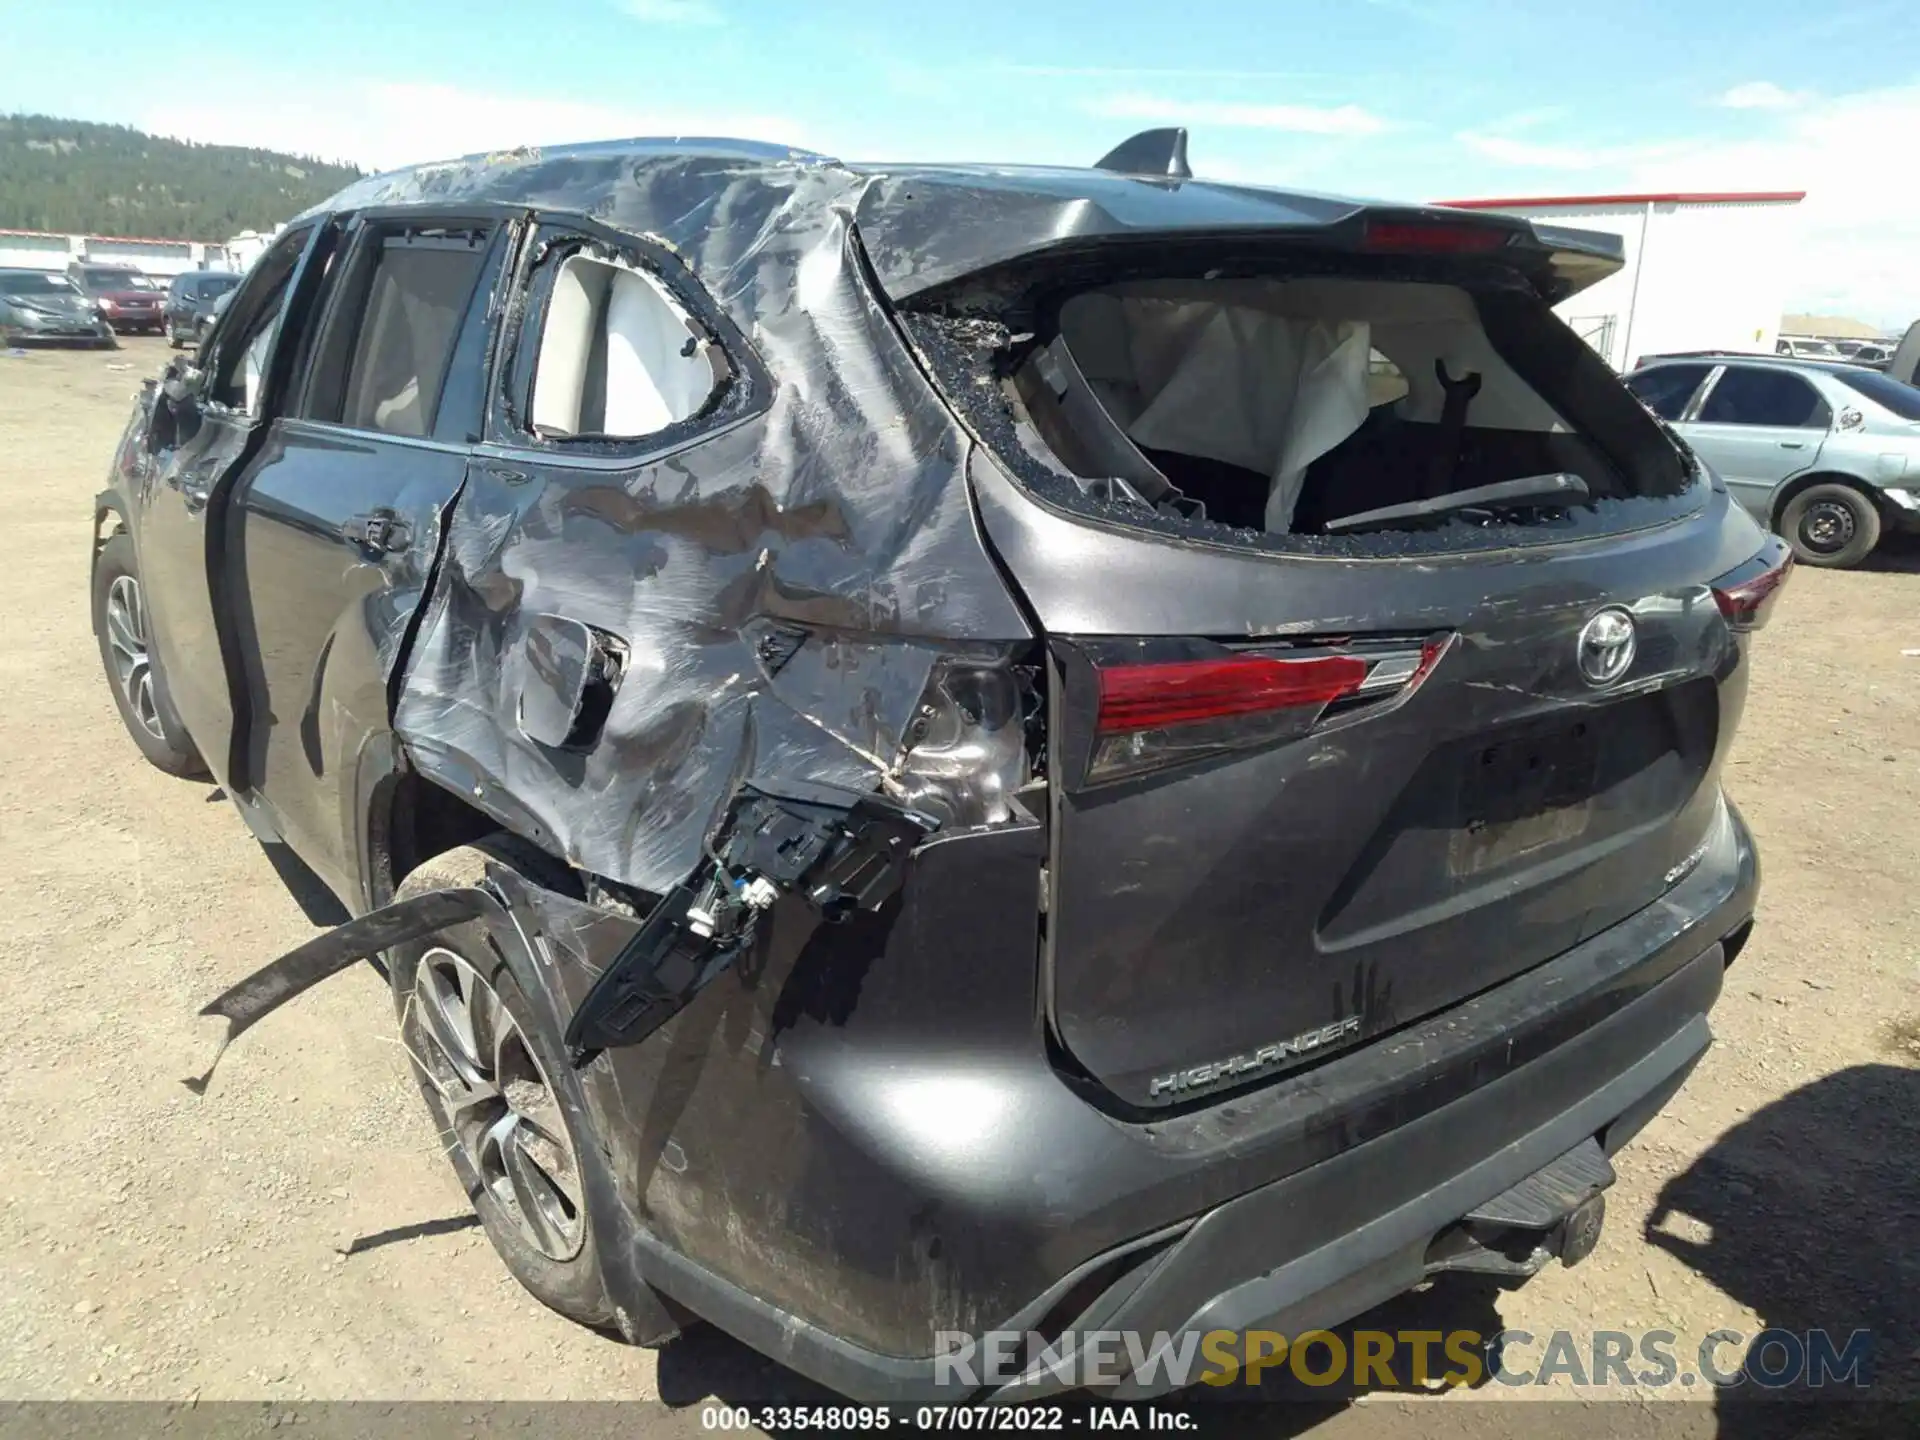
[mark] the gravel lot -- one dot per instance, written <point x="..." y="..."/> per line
<point x="154" y="1245"/>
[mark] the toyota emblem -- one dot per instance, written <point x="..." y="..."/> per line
<point x="1606" y="646"/>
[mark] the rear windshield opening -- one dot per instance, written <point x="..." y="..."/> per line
<point x="1320" y="407"/>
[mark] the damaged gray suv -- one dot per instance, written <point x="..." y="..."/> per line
<point x="943" y="750"/>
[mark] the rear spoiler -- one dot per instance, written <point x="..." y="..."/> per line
<point x="930" y="232"/>
<point x="1579" y="258"/>
<point x="1190" y="221"/>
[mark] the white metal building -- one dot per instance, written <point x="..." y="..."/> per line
<point x="249" y="245"/>
<point x="1704" y="271"/>
<point x="48" y="250"/>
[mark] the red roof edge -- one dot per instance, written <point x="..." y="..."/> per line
<point x="1676" y="197"/>
<point x="125" y="239"/>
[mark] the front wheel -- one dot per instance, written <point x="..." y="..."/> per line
<point x="1832" y="525"/>
<point x="139" y="690"/>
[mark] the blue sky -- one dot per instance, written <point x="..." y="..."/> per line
<point x="1415" y="99"/>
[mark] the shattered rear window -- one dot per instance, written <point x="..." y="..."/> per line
<point x="970" y="357"/>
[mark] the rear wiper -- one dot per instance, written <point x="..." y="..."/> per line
<point x="1530" y="492"/>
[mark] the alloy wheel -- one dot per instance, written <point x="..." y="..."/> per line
<point x="127" y="650"/>
<point x="501" y="1107"/>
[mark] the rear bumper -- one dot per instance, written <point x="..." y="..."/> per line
<point x="56" y="334"/>
<point x="1354" y="1231"/>
<point x="896" y="1214"/>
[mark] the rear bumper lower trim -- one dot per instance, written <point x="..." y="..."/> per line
<point x="1382" y="1257"/>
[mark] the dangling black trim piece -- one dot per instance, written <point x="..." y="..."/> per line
<point x="304" y="967"/>
<point x="839" y="853"/>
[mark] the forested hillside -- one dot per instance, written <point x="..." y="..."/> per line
<point x="74" y="175"/>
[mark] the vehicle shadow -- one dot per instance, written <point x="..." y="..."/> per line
<point x="1896" y="554"/>
<point x="707" y="1363"/>
<point x="399" y="1234"/>
<point x="1805" y="1212"/>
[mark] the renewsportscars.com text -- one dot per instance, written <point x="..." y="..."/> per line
<point x="1385" y="1359"/>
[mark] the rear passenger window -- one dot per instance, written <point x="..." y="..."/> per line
<point x="1385" y="383"/>
<point x="1667" y="390"/>
<point x="1765" y="397"/>
<point x="383" y="362"/>
<point x="619" y="357"/>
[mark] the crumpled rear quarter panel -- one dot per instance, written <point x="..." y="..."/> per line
<point x="839" y="504"/>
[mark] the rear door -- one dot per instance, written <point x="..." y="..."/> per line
<point x="337" y="521"/>
<point x="1759" y="425"/>
<point x="202" y="422"/>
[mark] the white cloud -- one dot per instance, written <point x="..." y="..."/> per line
<point x="1859" y="228"/>
<point x="1160" y="72"/>
<point x="1540" y="155"/>
<point x="674" y="12"/>
<point x="383" y="125"/>
<point x="1296" y="119"/>
<point x="1509" y="151"/>
<point x="1761" y="95"/>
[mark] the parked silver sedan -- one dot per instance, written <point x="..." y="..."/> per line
<point x="1826" y="454"/>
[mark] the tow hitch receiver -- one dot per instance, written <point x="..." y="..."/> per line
<point x="839" y="853"/>
<point x="1555" y="1211"/>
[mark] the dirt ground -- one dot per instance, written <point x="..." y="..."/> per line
<point x="157" y="1245"/>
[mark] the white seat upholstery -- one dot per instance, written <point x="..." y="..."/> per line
<point x="618" y="355"/>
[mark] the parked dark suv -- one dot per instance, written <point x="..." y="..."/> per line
<point x="189" y="309"/>
<point x="930" y="750"/>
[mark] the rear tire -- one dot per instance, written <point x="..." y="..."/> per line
<point x="1832" y="525"/>
<point x="133" y="667"/>
<point x="500" y="1090"/>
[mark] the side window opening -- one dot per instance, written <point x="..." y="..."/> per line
<point x="247" y="333"/>
<point x="1666" y="389"/>
<point x="382" y="363"/>
<point x="1752" y="396"/>
<point x="1385" y="383"/>
<point x="619" y="357"/>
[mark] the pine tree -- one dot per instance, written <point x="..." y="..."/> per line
<point x="76" y="176"/>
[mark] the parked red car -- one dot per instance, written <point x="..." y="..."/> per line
<point x="126" y="299"/>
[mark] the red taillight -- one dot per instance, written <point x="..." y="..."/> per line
<point x="1155" y="714"/>
<point x="1746" y="595"/>
<point x="1152" y="697"/>
<point x="1429" y="238"/>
